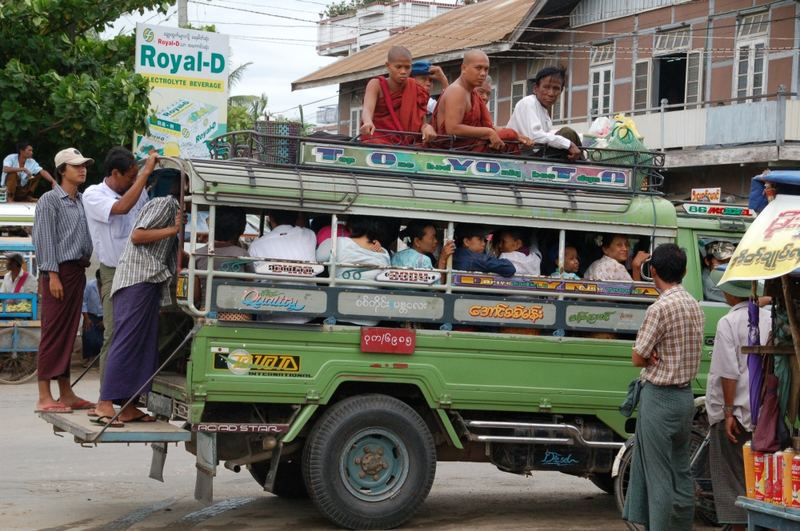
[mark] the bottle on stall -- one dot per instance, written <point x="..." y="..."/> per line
<point x="786" y="476"/>
<point x="796" y="480"/>
<point x="758" y="473"/>
<point x="777" y="478"/>
<point x="749" y="470"/>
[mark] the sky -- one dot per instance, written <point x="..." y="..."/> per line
<point x="281" y="49"/>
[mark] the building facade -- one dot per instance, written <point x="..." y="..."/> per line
<point x="713" y="83"/>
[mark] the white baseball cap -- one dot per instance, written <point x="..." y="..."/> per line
<point x="72" y="157"/>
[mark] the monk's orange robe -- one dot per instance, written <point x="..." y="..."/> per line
<point x="403" y="110"/>
<point x="478" y="116"/>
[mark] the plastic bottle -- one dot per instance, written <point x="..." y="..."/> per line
<point x="750" y="472"/>
<point x="758" y="472"/>
<point x="786" y="473"/>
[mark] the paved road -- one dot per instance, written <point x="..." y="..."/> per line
<point x="52" y="483"/>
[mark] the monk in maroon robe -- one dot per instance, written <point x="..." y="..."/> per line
<point x="395" y="103"/>
<point x="462" y="113"/>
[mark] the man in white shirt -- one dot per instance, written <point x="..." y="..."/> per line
<point x="21" y="174"/>
<point x="531" y="116"/>
<point x="111" y="210"/>
<point x="284" y="241"/>
<point x="728" y="399"/>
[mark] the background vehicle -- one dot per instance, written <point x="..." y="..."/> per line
<point x="19" y="314"/>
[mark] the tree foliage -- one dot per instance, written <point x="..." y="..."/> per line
<point x="61" y="84"/>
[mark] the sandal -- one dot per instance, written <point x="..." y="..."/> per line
<point x="105" y="420"/>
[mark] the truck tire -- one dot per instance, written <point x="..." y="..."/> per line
<point x="369" y="462"/>
<point x="289" y="481"/>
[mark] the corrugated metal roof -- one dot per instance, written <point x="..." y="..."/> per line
<point x="491" y="25"/>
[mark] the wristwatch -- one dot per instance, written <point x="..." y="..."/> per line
<point x="728" y="410"/>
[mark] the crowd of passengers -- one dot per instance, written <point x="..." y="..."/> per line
<point x="366" y="245"/>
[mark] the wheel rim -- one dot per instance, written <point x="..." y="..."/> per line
<point x="374" y="465"/>
<point x="17" y="367"/>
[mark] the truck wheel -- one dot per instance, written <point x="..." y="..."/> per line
<point x="289" y="481"/>
<point x="369" y="462"/>
<point x="603" y="482"/>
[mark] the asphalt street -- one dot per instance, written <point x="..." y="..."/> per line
<point x="50" y="482"/>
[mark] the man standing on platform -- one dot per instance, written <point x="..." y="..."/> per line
<point x="111" y="210"/>
<point x="728" y="400"/>
<point x="63" y="249"/>
<point x="395" y="103"/>
<point x="668" y="346"/>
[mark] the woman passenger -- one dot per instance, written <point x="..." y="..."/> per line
<point x="420" y="236"/>
<point x="611" y="266"/>
<point x="362" y="247"/>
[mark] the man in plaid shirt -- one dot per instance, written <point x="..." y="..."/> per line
<point x="668" y="348"/>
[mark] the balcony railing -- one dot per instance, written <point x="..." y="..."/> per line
<point x="766" y="119"/>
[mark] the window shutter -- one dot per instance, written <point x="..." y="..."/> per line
<point x="694" y="77"/>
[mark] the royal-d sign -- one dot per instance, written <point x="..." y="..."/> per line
<point x="388" y="340"/>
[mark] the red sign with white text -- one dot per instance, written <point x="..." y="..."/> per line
<point x="388" y="340"/>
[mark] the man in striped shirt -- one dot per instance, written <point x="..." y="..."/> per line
<point x="63" y="248"/>
<point x="141" y="286"/>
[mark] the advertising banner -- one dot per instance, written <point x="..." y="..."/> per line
<point x="771" y="246"/>
<point x="464" y="165"/>
<point x="188" y="74"/>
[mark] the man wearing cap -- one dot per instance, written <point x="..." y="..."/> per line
<point x="728" y="399"/>
<point x="21" y="174"/>
<point x="424" y="73"/>
<point x="63" y="249"/>
<point x="111" y="210"/>
<point x="717" y="254"/>
<point x="16" y="280"/>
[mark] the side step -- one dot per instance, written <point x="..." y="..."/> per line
<point x="566" y="434"/>
<point x="80" y="426"/>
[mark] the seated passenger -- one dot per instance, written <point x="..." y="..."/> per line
<point x="424" y="73"/>
<point x="509" y="244"/>
<point x="285" y="241"/>
<point x="470" y="255"/>
<point x="717" y="253"/>
<point x="362" y="247"/>
<point x="571" y="265"/>
<point x="485" y="91"/>
<point x="611" y="266"/>
<point x="18" y="280"/>
<point x="229" y="225"/>
<point x="395" y="103"/>
<point x="322" y="226"/>
<point x="531" y="116"/>
<point x="461" y="112"/>
<point x="420" y="236"/>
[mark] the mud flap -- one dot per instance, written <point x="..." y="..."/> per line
<point x="269" y="482"/>
<point x="158" y="460"/>
<point x="206" y="467"/>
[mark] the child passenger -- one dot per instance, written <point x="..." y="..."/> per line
<point x="571" y="264"/>
<point x="470" y="255"/>
<point x="509" y="246"/>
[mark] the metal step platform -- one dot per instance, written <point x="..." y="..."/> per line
<point x="80" y="426"/>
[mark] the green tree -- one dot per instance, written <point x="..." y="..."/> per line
<point x="61" y="85"/>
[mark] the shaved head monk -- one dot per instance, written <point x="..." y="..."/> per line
<point x="461" y="111"/>
<point x="395" y="103"/>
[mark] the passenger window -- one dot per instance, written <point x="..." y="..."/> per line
<point x="714" y="251"/>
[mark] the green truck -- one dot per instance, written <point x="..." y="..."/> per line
<point x="524" y="372"/>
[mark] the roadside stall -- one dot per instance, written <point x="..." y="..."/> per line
<point x="20" y="326"/>
<point x="770" y="252"/>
